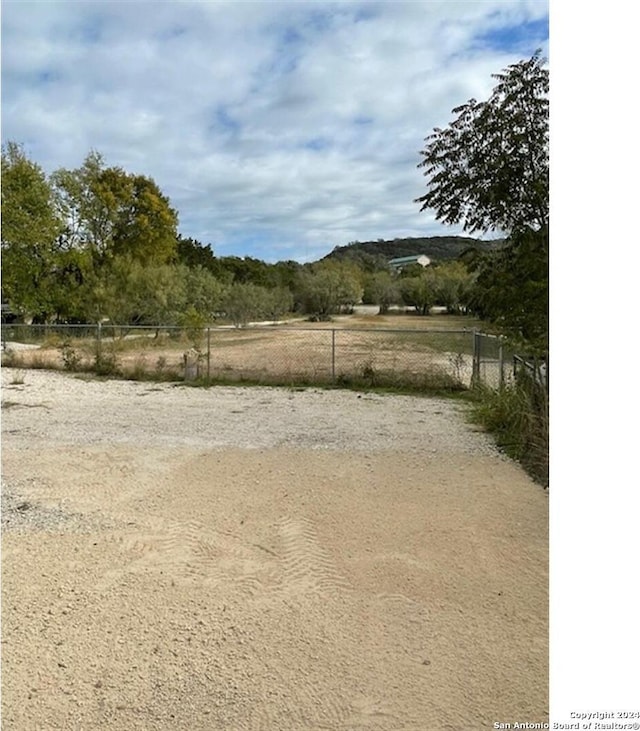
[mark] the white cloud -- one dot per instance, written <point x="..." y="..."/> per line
<point x="297" y="125"/>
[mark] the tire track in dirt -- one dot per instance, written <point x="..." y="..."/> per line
<point x="308" y="567"/>
<point x="189" y="552"/>
<point x="310" y="577"/>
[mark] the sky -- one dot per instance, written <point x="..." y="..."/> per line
<point x="278" y="130"/>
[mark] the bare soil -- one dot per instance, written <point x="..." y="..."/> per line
<point x="286" y="559"/>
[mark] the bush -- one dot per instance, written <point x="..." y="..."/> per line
<point x="518" y="417"/>
<point x="105" y="363"/>
<point x="71" y="359"/>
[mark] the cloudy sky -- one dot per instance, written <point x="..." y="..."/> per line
<point x="278" y="130"/>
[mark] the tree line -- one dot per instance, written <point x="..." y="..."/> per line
<point x="99" y="243"/>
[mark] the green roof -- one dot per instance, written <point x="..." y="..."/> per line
<point x="407" y="259"/>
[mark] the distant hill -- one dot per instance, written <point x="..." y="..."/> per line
<point x="437" y="248"/>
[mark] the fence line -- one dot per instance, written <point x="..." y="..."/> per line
<point x="284" y="354"/>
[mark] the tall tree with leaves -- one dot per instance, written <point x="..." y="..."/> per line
<point x="489" y="170"/>
<point x="110" y="212"/>
<point x="30" y="228"/>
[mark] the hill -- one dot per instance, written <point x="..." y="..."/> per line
<point x="437" y="248"/>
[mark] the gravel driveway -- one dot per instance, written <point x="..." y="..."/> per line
<point x="263" y="558"/>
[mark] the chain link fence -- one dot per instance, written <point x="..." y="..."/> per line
<point x="284" y="355"/>
<point x="495" y="364"/>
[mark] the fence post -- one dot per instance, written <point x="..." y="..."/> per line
<point x="208" y="353"/>
<point x="99" y="341"/>
<point x="333" y="356"/>
<point x="501" y="364"/>
<point x="475" y="371"/>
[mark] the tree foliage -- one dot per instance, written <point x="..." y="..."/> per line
<point x="453" y="283"/>
<point x="110" y="212"/>
<point x="489" y="168"/>
<point x="128" y="292"/>
<point x="327" y="288"/>
<point x="512" y="289"/>
<point x="374" y="255"/>
<point x="381" y="288"/>
<point x="30" y="228"/>
<point x="419" y="291"/>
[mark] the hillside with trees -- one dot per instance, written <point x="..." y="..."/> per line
<point x="376" y="254"/>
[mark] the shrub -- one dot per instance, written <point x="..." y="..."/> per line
<point x="105" y="363"/>
<point x="71" y="359"/>
<point x="518" y="416"/>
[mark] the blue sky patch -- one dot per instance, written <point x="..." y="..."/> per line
<point x="225" y="120"/>
<point x="524" y="37"/>
<point x="317" y="144"/>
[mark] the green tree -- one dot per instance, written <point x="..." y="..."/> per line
<point x="411" y="270"/>
<point x="146" y="227"/>
<point x="419" y="292"/>
<point x="512" y="289"/>
<point x="192" y="253"/>
<point x="327" y="288"/>
<point x="489" y="168"/>
<point x="242" y="303"/>
<point x="382" y="289"/>
<point x="110" y="212"/>
<point x="204" y="292"/>
<point x="452" y="285"/>
<point x="30" y="229"/>
<point x="277" y="301"/>
<point x="128" y="292"/>
<point x="283" y="274"/>
<point x="88" y="201"/>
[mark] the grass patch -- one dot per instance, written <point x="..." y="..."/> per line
<point x="17" y="379"/>
<point x="517" y="416"/>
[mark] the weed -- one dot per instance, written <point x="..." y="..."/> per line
<point x="17" y="379"/>
<point x="518" y="417"/>
<point x="71" y="358"/>
<point x="105" y="363"/>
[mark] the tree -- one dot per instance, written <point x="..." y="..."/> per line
<point x="382" y="289"/>
<point x="489" y="169"/>
<point x="512" y="289"/>
<point x="192" y="253"/>
<point x="110" y="212"/>
<point x="30" y="228"/>
<point x="452" y="285"/>
<point x="327" y="288"/>
<point x="277" y="301"/>
<point x="243" y="303"/>
<point x="146" y="225"/>
<point x="203" y="292"/>
<point x="419" y="292"/>
<point x="128" y="292"/>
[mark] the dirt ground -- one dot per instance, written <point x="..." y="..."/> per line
<point x="268" y="559"/>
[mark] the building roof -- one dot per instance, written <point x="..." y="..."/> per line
<point x="401" y="260"/>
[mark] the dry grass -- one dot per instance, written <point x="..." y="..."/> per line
<point x="395" y="349"/>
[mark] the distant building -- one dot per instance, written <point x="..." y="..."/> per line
<point x="403" y="261"/>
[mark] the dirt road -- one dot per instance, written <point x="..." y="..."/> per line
<point x="229" y="558"/>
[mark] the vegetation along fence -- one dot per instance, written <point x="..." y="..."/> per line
<point x="286" y="355"/>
